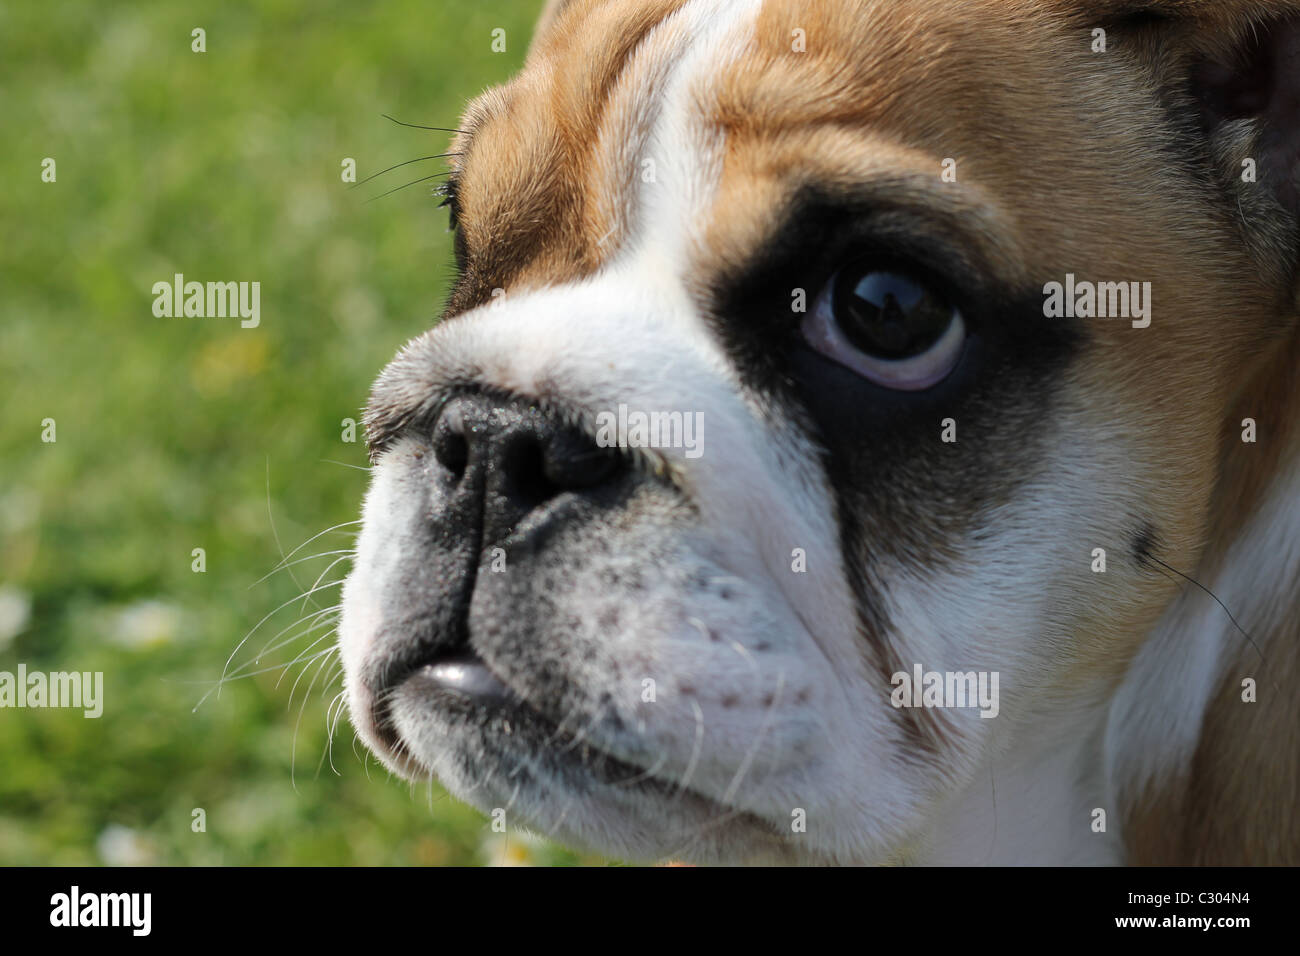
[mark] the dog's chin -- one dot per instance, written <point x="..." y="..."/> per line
<point x="456" y="722"/>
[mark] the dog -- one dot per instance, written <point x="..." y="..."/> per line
<point x="811" y="360"/>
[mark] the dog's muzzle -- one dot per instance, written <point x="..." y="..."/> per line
<point x="505" y="473"/>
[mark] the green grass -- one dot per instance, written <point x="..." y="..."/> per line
<point x="176" y="434"/>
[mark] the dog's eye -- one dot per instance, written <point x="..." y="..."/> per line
<point x="887" y="327"/>
<point x="448" y="192"/>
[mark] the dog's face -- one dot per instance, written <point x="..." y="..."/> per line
<point x="819" y="232"/>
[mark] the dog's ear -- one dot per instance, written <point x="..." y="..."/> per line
<point x="1229" y="72"/>
<point x="1245" y="80"/>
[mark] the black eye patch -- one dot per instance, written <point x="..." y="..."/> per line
<point x="883" y="449"/>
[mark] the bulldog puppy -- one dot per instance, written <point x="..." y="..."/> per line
<point x="861" y="431"/>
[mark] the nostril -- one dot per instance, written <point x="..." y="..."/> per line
<point x="450" y="447"/>
<point x="575" y="461"/>
<point x="523" y="472"/>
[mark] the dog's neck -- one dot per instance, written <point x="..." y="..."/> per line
<point x="1185" y="770"/>
<point x="1205" y="776"/>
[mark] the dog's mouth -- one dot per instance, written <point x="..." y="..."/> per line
<point x="463" y="689"/>
<point x="456" y="719"/>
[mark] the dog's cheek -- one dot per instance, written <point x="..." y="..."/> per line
<point x="361" y="616"/>
<point x="629" y="627"/>
<point x="1053" y="590"/>
<point x="394" y="579"/>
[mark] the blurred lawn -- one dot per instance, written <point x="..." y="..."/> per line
<point x="223" y="165"/>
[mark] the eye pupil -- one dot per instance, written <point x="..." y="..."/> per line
<point x="888" y="315"/>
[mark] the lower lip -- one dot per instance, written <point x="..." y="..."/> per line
<point x="469" y="678"/>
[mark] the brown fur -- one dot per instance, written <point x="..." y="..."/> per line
<point x="552" y="212"/>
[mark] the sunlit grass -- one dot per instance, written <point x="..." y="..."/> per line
<point x="177" y="434"/>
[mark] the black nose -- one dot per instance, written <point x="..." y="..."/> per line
<point x="517" y="456"/>
<point x="497" y="461"/>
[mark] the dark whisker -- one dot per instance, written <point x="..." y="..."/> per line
<point x="438" y="129"/>
<point x="400" y="165"/>
<point x="403" y="186"/>
<point x="1216" y="601"/>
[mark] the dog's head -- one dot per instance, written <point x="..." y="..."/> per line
<point x="754" y="391"/>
